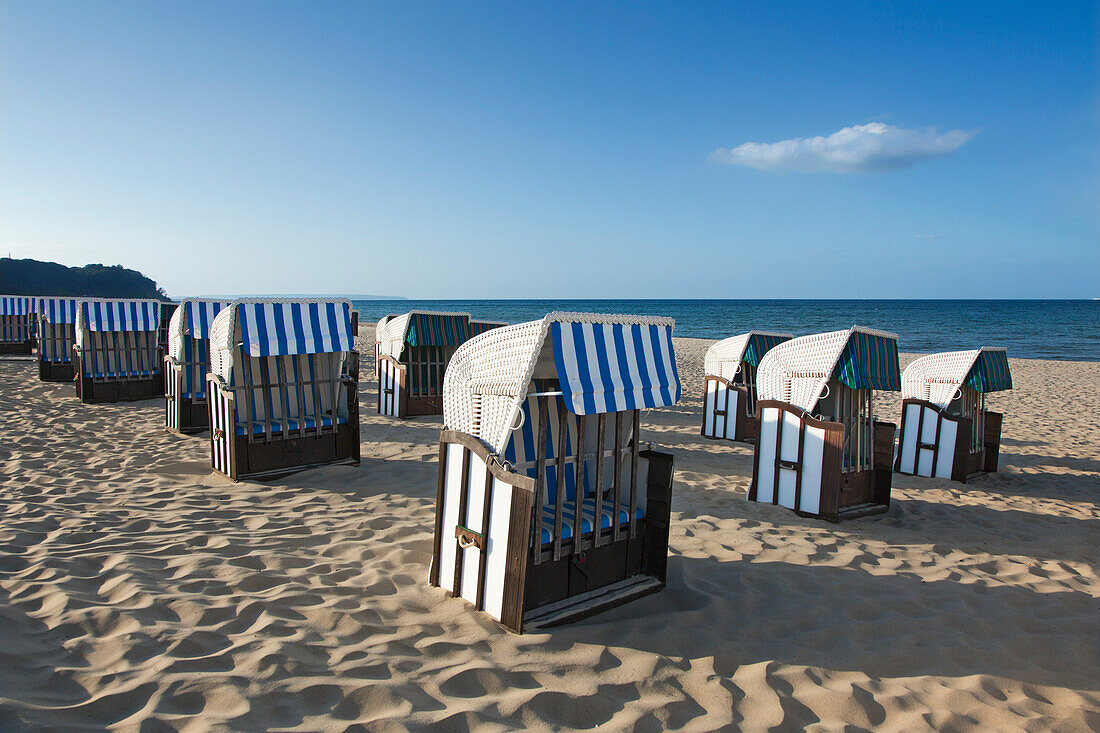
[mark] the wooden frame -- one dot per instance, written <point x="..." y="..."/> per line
<point x="799" y="464"/>
<point x="413" y="385"/>
<point x="488" y="541"/>
<point x="18" y="333"/>
<point x="281" y="448"/>
<point x="55" y="339"/>
<point x="934" y="442"/>
<point x="726" y="414"/>
<point x="137" y="345"/>
<point x="184" y="414"/>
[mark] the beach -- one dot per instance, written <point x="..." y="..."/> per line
<point x="141" y="591"/>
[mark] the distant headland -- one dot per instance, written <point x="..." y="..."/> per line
<point x="33" y="277"/>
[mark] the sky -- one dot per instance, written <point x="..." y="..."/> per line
<point x="558" y="150"/>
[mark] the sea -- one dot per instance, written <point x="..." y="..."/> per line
<point x="1031" y="329"/>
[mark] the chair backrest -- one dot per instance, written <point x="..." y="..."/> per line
<point x="17" y="318"/>
<point x="118" y="338"/>
<point x="284" y="359"/>
<point x="189" y="342"/>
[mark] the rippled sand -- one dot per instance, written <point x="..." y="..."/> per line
<point x="140" y="591"/>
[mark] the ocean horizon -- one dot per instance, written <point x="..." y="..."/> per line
<point x="1031" y="329"/>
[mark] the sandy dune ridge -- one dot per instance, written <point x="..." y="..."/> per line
<point x="139" y="591"/>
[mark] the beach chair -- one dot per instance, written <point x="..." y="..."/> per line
<point x="167" y="310"/>
<point x="412" y="351"/>
<point x="17" y="324"/>
<point x="946" y="430"/>
<point x="729" y="384"/>
<point x="116" y="356"/>
<point x="186" y="365"/>
<point x="549" y="506"/>
<point x="56" y="338"/>
<point x="819" y="449"/>
<point x="479" y="327"/>
<point x="283" y="387"/>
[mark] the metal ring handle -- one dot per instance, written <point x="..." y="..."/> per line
<point x="827" y="392"/>
<point x="958" y="394"/>
<point x="465" y="543"/>
<point x="522" y="420"/>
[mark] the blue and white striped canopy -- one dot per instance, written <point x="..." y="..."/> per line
<point x="611" y="367"/>
<point x="278" y="329"/>
<point x="200" y="314"/>
<point x="17" y="305"/>
<point x="121" y="315"/>
<point x="58" y="310"/>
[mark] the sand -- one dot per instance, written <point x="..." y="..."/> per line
<point x="139" y="591"/>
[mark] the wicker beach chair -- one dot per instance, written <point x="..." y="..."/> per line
<point x="946" y="430"/>
<point x="729" y="384"/>
<point x="819" y="449"/>
<point x="56" y="338"/>
<point x="411" y="355"/>
<point x="283" y="387"/>
<point x="17" y="324"/>
<point x="549" y="506"/>
<point x="186" y="365"/>
<point x="116" y="356"/>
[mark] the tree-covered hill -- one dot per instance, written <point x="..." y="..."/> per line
<point x="31" y="277"/>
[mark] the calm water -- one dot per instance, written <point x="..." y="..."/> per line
<point x="1036" y="329"/>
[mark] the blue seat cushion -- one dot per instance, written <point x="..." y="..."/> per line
<point x="588" y="512"/>
<point x="116" y="375"/>
<point x="259" y="427"/>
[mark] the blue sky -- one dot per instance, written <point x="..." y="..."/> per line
<point x="560" y="150"/>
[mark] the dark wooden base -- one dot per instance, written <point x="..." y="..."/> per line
<point x="55" y="371"/>
<point x="92" y="392"/>
<point x="16" y="347"/>
<point x="194" y="417"/>
<point x="416" y="406"/>
<point x="282" y="457"/>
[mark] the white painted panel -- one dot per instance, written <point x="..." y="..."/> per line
<point x="731" y="413"/>
<point x="475" y="510"/>
<point x="497" y="547"/>
<point x="769" y="423"/>
<point x="452" y="488"/>
<point x="788" y="451"/>
<point x="949" y="433"/>
<point x="907" y="445"/>
<point x="813" y="470"/>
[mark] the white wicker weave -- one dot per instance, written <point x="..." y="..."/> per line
<point x="797" y="371"/>
<point x="723" y="359"/>
<point x="391" y="331"/>
<point x="225" y="332"/>
<point x="937" y="378"/>
<point x="489" y="375"/>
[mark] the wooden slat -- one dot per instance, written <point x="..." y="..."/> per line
<point x="541" y="496"/>
<point x="616" y="531"/>
<point x="578" y="495"/>
<point x="486" y="513"/>
<point x="559" y="499"/>
<point x="463" y="510"/>
<point x="249" y="395"/>
<point x="635" y="423"/>
<point x="597" y="521"/>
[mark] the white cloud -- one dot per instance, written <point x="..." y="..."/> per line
<point x="875" y="146"/>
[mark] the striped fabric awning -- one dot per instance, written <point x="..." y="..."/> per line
<point x="604" y="367"/>
<point x="479" y="327"/>
<point x="869" y="361"/>
<point x="57" y="310"/>
<point x="121" y="315"/>
<point x="200" y="314"/>
<point x="990" y="372"/>
<point x="17" y="305"/>
<point x="279" y="329"/>
<point x="760" y="344"/>
<point x="432" y="329"/>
